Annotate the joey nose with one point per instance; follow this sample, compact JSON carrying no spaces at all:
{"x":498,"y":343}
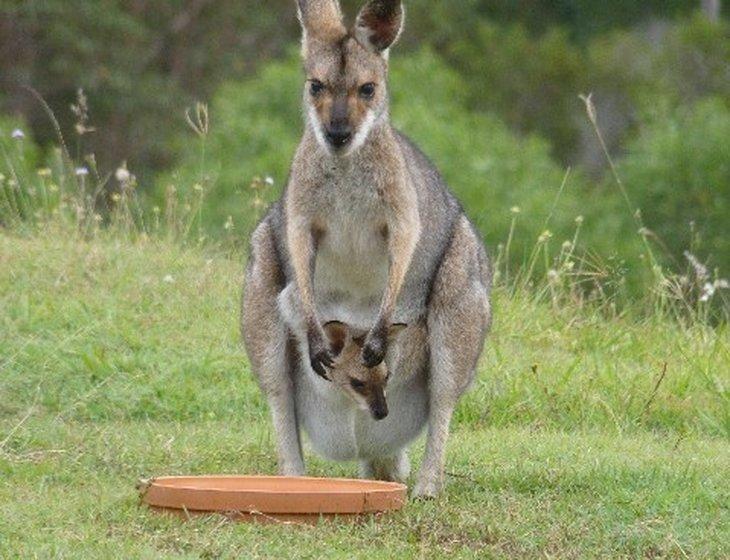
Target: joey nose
{"x":339,"y":136}
{"x":380,"y":414}
{"x":380,"y":411}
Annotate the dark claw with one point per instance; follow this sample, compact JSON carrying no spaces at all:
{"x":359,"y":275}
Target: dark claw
{"x":319,"y":369}
{"x":321,"y":360}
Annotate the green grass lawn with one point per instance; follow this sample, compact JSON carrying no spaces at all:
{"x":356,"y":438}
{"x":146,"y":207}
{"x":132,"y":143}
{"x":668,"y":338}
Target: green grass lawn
{"x":121,"y":360}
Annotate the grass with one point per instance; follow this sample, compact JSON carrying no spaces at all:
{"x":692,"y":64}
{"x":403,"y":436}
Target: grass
{"x":584,"y":435}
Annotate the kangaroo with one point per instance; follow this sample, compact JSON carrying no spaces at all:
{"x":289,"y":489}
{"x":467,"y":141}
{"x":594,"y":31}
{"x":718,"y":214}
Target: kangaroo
{"x":366,"y":232}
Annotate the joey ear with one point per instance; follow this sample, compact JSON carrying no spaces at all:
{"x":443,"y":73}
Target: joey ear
{"x":395,"y":329}
{"x":379,"y":24}
{"x":320,"y":19}
{"x":336,"y":333}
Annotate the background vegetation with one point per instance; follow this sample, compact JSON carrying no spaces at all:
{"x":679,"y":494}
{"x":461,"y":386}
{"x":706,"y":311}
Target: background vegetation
{"x":489,"y":89}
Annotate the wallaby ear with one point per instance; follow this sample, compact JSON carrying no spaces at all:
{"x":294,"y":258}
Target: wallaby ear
{"x":379,"y":24}
{"x":336,"y":333}
{"x":320,"y":19}
{"x":395,"y":329}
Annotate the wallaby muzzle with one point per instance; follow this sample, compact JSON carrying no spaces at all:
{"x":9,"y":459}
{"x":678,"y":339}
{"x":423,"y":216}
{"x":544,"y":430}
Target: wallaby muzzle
{"x":379,"y":407}
{"x":339,"y":131}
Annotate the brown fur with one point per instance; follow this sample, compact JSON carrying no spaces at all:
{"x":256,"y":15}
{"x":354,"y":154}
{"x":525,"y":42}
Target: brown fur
{"x":348,"y":369}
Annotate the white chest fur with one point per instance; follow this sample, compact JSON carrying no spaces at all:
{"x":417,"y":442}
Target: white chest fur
{"x":352,"y":255}
{"x":339,"y":430}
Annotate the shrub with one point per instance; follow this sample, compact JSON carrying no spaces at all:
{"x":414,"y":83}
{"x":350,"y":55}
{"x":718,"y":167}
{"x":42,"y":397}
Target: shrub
{"x":628,"y":71}
{"x":531,"y":82}
{"x":678,"y":171}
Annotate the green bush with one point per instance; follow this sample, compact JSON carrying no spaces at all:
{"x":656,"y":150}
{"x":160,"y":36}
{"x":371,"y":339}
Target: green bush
{"x":628,"y":71}
{"x":255,"y":125}
{"x":678,"y":172}
{"x":531,"y":82}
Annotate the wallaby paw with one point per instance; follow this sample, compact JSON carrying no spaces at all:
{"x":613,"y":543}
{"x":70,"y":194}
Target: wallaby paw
{"x":320,"y":356}
{"x":373,"y":352}
{"x":427,"y":489}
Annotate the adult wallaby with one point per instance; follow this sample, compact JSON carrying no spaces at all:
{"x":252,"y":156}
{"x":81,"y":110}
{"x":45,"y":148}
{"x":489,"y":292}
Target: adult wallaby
{"x":366,"y":233}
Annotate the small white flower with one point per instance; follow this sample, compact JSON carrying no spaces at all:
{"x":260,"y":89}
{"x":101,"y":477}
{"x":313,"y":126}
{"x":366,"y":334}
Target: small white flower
{"x":122,"y":175}
{"x":700,"y":269}
{"x":567,"y":245}
{"x":722,"y":284}
{"x":515,"y":210}
{"x":81,"y":172}
{"x":579,"y":220}
{"x":168,"y":279}
{"x":17,"y":134}
{"x":553,"y":275}
{"x":269,"y":181}
{"x":545,"y":236}
{"x":708,"y":290}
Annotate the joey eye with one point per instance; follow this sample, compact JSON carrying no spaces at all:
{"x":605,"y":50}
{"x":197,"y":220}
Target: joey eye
{"x":316,"y":87}
{"x":357,"y":384}
{"x":367,"y":90}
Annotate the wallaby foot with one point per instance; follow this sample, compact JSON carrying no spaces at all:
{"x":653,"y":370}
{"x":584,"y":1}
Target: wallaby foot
{"x":392,"y":469}
{"x":427,"y":489}
{"x":431,"y":474}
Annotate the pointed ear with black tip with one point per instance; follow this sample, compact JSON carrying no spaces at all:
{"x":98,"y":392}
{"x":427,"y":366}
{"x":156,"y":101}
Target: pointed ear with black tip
{"x":379,"y":24}
{"x":337,"y":334}
{"x":320,"y":19}
{"x":395,"y":329}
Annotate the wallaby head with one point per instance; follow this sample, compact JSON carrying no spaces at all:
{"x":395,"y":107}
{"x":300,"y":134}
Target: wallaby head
{"x":345,"y":94}
{"x":365,"y":386}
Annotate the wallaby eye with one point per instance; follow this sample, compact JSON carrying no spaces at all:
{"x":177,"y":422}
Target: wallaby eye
{"x":367,"y":90}
{"x":316,"y":87}
{"x":357,"y":384}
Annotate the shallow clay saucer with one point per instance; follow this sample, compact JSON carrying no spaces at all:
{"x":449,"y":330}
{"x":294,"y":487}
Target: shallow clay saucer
{"x":273,"y":498}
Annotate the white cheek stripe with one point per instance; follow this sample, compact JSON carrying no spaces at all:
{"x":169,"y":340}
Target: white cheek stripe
{"x":362,"y":133}
{"x":357,"y":142}
{"x":317,"y":128}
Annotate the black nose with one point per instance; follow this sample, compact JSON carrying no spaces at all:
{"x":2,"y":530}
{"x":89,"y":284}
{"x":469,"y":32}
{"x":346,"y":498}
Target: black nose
{"x":338,"y":137}
{"x":380,"y":413}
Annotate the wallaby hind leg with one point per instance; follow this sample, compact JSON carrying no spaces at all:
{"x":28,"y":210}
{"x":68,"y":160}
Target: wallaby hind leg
{"x":266,"y":339}
{"x":458,"y":320}
{"x":394,"y":468}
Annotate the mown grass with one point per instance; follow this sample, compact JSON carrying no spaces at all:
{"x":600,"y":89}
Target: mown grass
{"x":120,"y":359}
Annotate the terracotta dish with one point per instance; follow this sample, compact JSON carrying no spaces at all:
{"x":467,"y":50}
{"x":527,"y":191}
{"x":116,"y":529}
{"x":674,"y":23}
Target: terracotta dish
{"x":273,"y":498}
